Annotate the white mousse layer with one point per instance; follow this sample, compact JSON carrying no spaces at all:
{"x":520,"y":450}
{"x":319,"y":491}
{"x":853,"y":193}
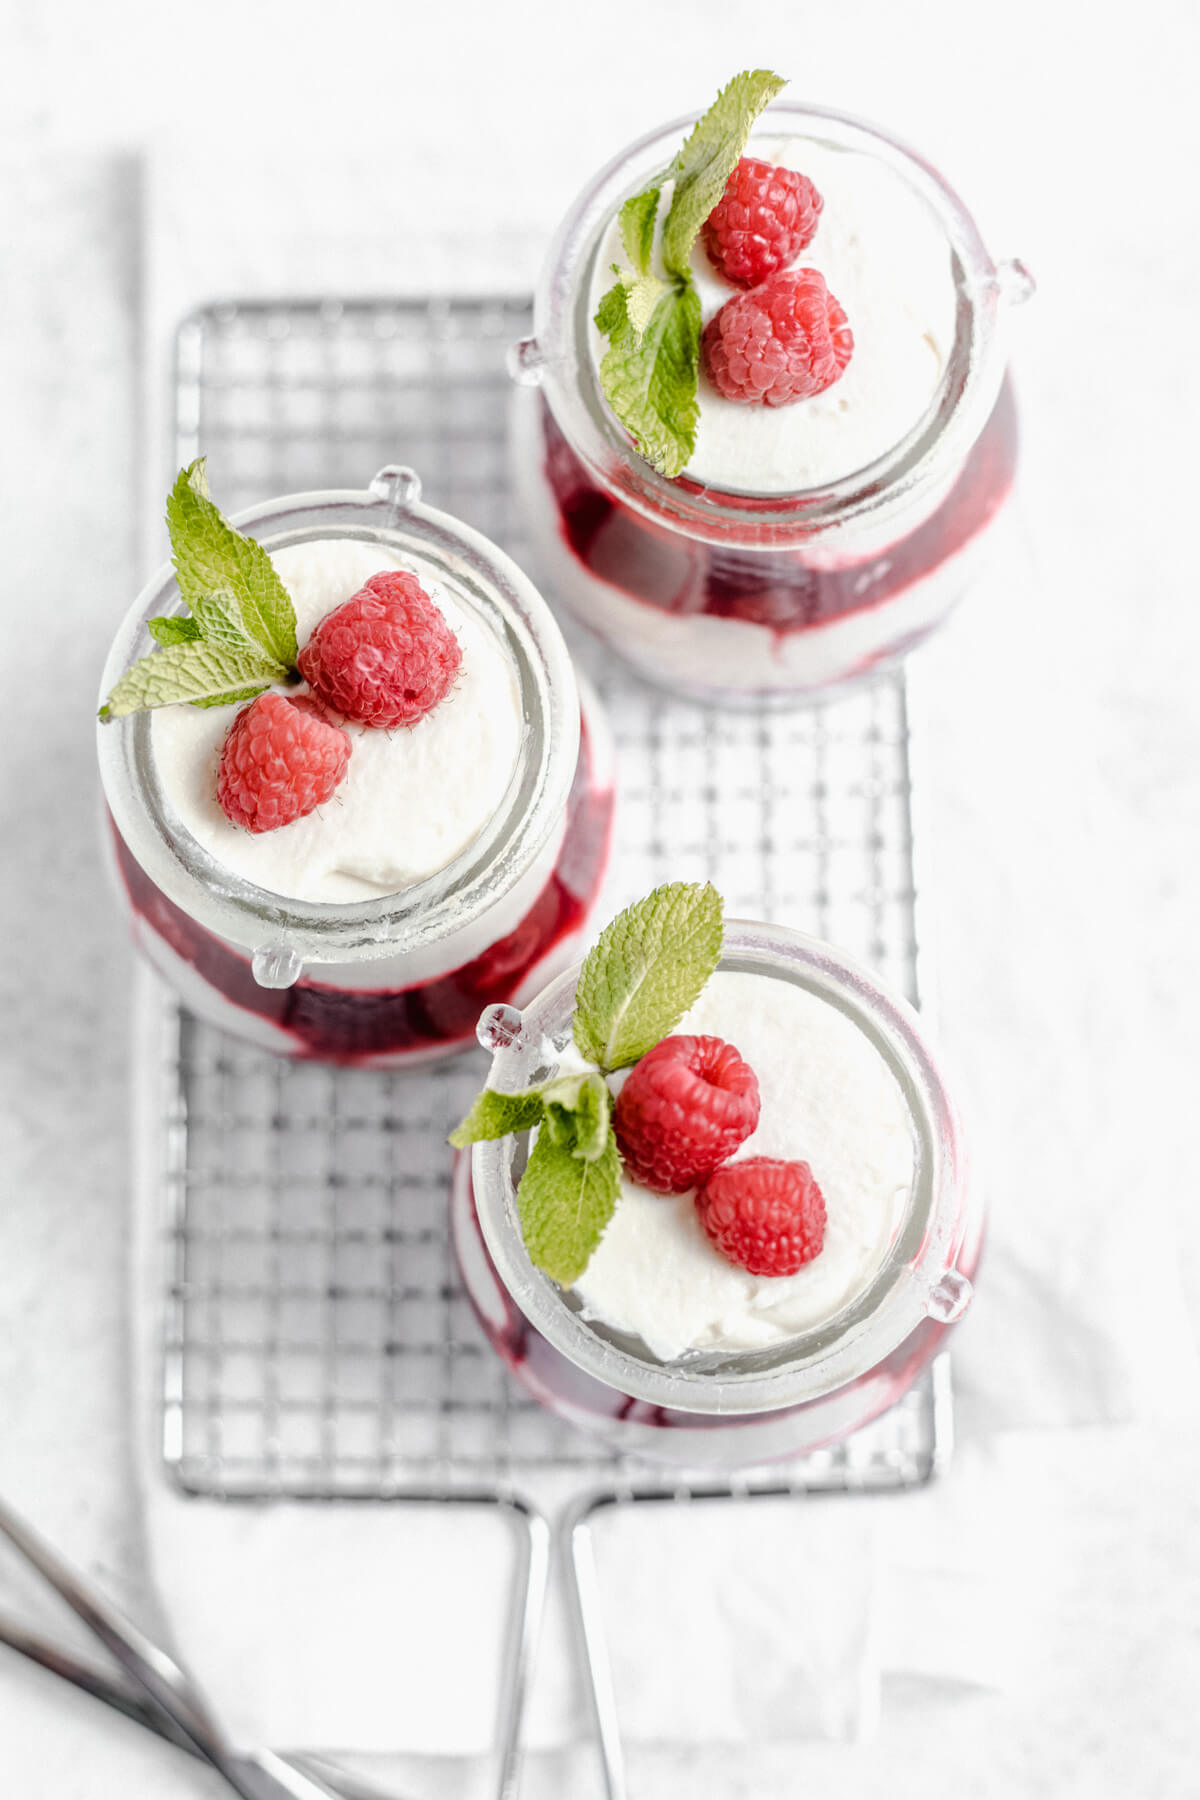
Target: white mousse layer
{"x":885,"y":258}
{"x":828,"y":1099}
{"x":411,"y":799}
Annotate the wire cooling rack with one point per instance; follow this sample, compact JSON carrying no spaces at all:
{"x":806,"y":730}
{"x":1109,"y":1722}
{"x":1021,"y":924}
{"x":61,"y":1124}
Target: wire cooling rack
{"x":316,"y":1341}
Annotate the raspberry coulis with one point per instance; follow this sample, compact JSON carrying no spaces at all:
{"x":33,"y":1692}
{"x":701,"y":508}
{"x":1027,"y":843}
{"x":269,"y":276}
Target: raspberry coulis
{"x":358,"y":1025}
{"x":773,"y":588}
{"x":557,"y":1383}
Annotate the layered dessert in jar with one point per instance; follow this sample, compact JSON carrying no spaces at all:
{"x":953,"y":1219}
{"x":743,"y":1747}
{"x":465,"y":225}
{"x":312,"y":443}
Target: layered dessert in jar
{"x":767,"y":429}
{"x":352,"y":795}
{"x":717,"y":1207}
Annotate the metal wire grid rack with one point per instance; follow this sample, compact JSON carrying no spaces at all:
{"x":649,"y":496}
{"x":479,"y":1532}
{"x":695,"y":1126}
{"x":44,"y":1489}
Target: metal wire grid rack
{"x":316,"y":1342}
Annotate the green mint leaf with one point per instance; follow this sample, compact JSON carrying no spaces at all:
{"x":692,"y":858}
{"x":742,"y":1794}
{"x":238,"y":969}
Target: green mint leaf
{"x":213,"y":560}
{"x":649,"y":373}
{"x":200,"y":671}
{"x":637,"y":228}
{"x":565,"y":1203}
{"x":232,"y":699}
{"x":578,"y":1109}
{"x":650,"y":377}
{"x":219,"y":618}
{"x":612,"y":314}
{"x":648,"y":967}
{"x":175,"y":629}
{"x":708,"y":158}
{"x":642,"y":296}
{"x":494,"y":1115}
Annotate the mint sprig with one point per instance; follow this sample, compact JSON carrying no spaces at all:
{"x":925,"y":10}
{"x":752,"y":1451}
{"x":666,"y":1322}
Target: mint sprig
{"x":574,"y":1108}
{"x":213,"y":562}
{"x":564,"y":1204}
{"x":572,"y":1180}
{"x":650,"y":371}
{"x":648,"y":967}
{"x":636,"y":983}
{"x":709,"y":157}
{"x":240,"y":636}
{"x":495,"y":1115}
{"x":578,"y":1109}
{"x":200,"y":671}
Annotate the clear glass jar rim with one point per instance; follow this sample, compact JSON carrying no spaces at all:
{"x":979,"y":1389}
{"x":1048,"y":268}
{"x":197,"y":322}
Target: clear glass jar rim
{"x":863,"y":1333}
{"x":391,"y":513}
{"x":947,"y":430}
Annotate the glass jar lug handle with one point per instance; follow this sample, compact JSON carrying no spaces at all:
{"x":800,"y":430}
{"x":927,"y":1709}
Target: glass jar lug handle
{"x":950,"y":1299}
{"x":399,"y":486}
{"x":275,"y":966}
{"x":526,"y":364}
{"x":499,"y":1027}
{"x":1014,"y":283}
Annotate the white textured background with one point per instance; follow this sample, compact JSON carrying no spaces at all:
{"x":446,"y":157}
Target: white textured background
{"x":1064,"y":743}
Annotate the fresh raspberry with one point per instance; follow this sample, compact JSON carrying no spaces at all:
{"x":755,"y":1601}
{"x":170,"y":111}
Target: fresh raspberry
{"x":780,"y":342}
{"x":685,"y":1108}
{"x":761,"y":223}
{"x":385,"y":657}
{"x":280,"y":759}
{"x":768,"y":1217}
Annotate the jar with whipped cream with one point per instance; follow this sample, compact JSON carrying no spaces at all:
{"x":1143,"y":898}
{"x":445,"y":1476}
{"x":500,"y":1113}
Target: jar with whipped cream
{"x":455,"y":866}
{"x":667,"y":1350}
{"x":805,"y":546}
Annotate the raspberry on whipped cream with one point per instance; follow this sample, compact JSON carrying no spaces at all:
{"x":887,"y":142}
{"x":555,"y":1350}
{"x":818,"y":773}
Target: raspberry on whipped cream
{"x":885,"y":257}
{"x":683,"y":1110}
{"x":827,"y":1099}
{"x":411,"y":799}
{"x":765,"y":1215}
{"x":281,"y":760}
{"x":764,"y":219}
{"x":385,"y":657}
{"x":785,"y":341}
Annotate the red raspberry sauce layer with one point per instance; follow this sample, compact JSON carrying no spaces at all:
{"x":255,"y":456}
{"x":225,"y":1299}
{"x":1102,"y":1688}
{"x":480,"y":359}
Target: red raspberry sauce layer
{"x":354,"y":1025}
{"x":774,"y":588}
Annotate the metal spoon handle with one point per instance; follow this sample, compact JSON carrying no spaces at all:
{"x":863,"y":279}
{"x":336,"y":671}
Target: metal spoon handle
{"x":168,"y":1689}
{"x":150,"y":1668}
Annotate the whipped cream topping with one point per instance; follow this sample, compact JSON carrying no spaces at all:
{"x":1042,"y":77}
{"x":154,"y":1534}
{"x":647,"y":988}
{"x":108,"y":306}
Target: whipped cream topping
{"x":828,"y":1099}
{"x":885,"y":257}
{"x":411,"y":800}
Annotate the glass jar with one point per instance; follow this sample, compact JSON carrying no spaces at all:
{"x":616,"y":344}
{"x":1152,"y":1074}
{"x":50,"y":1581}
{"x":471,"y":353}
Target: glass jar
{"x":757,"y":598}
{"x":401,"y":977}
{"x":729,"y":1409}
